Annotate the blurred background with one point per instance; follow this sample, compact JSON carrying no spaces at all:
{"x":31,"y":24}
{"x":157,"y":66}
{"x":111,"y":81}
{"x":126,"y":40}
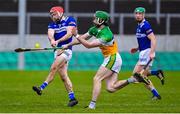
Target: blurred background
{"x":24,"y":23}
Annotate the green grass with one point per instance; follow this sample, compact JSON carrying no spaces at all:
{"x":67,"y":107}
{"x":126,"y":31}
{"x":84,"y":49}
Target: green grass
{"x":16,"y":94}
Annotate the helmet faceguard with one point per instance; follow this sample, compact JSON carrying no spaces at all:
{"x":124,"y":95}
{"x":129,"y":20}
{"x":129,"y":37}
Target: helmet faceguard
{"x":101,"y":17}
{"x":98,"y":21}
{"x":56,"y":13}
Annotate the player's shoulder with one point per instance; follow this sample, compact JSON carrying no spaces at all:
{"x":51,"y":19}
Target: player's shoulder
{"x":146,"y":23}
{"x":52,"y":25}
{"x":107,"y":31}
{"x":93,"y":30}
{"x":70,"y":18}
{"x":106,"y":34}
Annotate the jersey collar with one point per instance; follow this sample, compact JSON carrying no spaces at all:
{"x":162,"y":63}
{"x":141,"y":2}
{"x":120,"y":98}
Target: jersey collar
{"x":141,"y":22}
{"x":63,"y":19}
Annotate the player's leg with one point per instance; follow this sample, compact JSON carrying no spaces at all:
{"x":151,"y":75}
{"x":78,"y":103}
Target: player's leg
{"x":158,"y":73}
{"x":54,"y":67}
{"x":67,"y":54}
{"x":136,"y":74}
{"x":150,"y":87}
{"x":153,"y":90}
{"x":143,"y":60}
{"x":68,"y":84}
{"x":110,"y":65}
{"x":113,"y":84}
{"x":58,"y":61}
{"x":101,"y":74}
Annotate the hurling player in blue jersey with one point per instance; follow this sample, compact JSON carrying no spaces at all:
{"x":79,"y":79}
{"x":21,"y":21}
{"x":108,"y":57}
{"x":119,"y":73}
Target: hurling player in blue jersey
{"x":59,"y":34}
{"x":146,"y":46}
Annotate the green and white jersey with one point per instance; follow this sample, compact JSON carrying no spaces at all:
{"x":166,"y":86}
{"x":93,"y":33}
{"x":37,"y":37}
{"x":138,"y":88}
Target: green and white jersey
{"x":105,"y":36}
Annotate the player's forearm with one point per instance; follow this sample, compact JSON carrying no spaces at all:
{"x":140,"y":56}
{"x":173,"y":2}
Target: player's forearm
{"x":84,"y":42}
{"x":74,"y":42}
{"x":50,"y":38}
{"x":153,"y":42}
{"x":64,"y":38}
{"x":50,"y":35}
{"x":153,"y":45}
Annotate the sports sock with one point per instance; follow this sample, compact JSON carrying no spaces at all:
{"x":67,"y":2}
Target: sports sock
{"x":71,"y":95}
{"x":154,"y":72}
{"x":154,"y":92}
{"x":131,"y":80}
{"x":43,"y":85}
{"x":92,"y":104}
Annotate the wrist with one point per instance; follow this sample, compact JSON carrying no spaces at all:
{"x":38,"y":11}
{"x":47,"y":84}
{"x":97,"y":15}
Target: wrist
{"x":58,"y":40}
{"x":152,"y":51}
{"x":51,"y":40}
{"x":77,"y":35}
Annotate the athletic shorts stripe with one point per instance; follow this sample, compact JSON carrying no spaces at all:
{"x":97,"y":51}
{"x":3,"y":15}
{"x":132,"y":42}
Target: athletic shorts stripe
{"x":111,"y":61}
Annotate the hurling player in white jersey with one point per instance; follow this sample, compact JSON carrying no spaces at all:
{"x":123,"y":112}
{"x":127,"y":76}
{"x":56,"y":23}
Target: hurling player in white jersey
{"x":146,"y":46}
{"x":59,"y":34}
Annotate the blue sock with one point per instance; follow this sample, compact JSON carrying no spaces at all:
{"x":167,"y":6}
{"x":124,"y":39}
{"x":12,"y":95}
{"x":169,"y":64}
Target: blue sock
{"x":43,"y":85}
{"x":154,"y":72}
{"x":71,"y":95}
{"x":155,"y":92}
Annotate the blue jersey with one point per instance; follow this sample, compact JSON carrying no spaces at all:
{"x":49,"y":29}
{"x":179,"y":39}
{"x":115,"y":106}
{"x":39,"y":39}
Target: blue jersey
{"x":60,"y":29}
{"x":142,"y":31}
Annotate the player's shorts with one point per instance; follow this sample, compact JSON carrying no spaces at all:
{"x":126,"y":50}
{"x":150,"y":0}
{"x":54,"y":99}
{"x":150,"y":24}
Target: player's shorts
{"x":113,"y":62}
{"x":144,"y":57}
{"x":67,"y":54}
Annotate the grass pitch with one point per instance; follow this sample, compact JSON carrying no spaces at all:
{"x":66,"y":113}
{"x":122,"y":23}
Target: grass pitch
{"x":16,"y":94}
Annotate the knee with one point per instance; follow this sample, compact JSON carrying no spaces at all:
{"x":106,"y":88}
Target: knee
{"x":53,"y":69}
{"x":96,"y":79}
{"x":110,"y":89}
{"x":63,"y":78}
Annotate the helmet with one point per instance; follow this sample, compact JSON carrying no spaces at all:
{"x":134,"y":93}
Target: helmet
{"x":140,"y":10}
{"x":102,"y":15}
{"x":57,"y":9}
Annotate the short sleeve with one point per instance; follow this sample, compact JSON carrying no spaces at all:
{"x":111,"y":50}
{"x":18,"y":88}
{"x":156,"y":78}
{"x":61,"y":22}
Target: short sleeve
{"x":51,"y":26}
{"x":93,"y":31}
{"x":71,"y":22}
{"x":147,"y":28}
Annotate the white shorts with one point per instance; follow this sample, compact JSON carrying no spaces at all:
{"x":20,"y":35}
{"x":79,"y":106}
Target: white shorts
{"x":113,"y":62}
{"x":67,"y":54}
{"x":144,"y":57}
